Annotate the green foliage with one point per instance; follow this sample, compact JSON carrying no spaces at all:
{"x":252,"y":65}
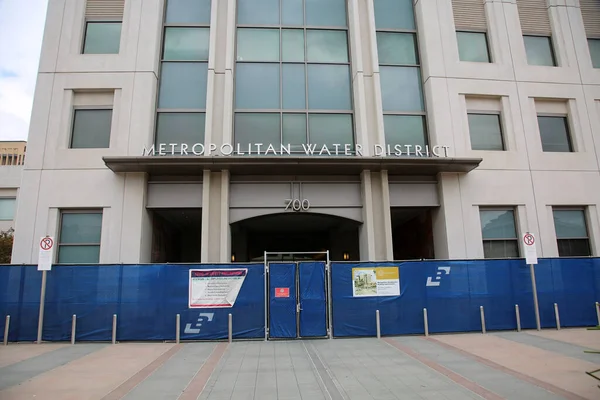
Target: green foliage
{"x":6,"y":244}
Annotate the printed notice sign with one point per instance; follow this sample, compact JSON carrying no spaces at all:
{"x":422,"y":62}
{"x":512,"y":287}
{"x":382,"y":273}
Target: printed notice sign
{"x":378,"y":281}
{"x":282,"y":292}
{"x":215,"y":288}
{"x":530,"y":250}
{"x":46,"y":253}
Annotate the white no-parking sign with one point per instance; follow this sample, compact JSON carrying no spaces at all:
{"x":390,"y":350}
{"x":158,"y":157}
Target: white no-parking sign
{"x":530,"y":250}
{"x":46,"y":253}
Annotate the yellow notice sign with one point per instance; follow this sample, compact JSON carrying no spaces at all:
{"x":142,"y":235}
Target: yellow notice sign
{"x":376,"y":281}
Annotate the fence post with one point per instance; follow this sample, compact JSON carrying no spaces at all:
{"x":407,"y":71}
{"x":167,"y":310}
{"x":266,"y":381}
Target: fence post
{"x":518,"y":318}
{"x":73,"y":328}
{"x":378,"y":324}
{"x":6,"y":329}
{"x":482,"y":319}
{"x":42,"y":304}
{"x":557,"y":316}
{"x":114,"y":329}
{"x":177,"y":328}
{"x":230,"y":336}
{"x":598,"y":312}
{"x":426,"y":322}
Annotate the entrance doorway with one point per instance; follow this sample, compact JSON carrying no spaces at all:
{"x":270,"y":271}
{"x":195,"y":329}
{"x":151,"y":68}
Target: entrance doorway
{"x":176,"y":235}
{"x":293,"y":233}
{"x":412,"y":233}
{"x":297,"y":303}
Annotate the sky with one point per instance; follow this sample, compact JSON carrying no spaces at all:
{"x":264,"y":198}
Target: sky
{"x":21,"y":31}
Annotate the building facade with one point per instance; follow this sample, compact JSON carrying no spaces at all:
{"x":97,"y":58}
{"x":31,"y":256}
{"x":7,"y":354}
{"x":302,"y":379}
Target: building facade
{"x":12,"y":157}
{"x":12,"y":152}
{"x":212,"y":131}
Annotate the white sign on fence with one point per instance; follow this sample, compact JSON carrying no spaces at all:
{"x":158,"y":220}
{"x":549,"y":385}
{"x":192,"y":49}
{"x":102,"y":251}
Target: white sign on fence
{"x":46,"y":254}
{"x":215,"y":288}
{"x":530,"y":250}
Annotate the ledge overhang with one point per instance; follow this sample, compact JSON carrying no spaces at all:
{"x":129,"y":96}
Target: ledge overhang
{"x":281,"y":165}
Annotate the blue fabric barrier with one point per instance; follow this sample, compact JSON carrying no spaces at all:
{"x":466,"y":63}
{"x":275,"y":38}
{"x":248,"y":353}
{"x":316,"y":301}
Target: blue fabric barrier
{"x":313,"y":303}
{"x":147,"y":298}
{"x":282,"y":303}
{"x":453,"y":291}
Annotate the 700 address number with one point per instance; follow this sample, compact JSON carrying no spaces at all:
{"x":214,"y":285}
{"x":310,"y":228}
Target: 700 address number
{"x":297,"y":204}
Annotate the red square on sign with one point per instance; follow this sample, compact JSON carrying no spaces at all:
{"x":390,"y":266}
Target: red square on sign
{"x":282,"y":292}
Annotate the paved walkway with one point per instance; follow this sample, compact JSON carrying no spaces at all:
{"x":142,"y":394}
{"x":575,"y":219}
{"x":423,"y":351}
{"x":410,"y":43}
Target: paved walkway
{"x":500,"y":365}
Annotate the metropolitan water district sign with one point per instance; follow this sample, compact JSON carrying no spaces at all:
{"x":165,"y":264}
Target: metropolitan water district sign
{"x":46,"y":253}
{"x":530,"y":250}
{"x":215,"y":288}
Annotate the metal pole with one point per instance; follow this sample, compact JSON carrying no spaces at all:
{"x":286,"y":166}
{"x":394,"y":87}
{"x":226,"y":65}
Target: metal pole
{"x":535,"y":297}
{"x":426,"y":322}
{"x":557,"y":316}
{"x":329,"y":302}
{"x":378,"y":324}
{"x":6,"y":329}
{"x":598,"y":312}
{"x":267,"y":292}
{"x":482,"y":319}
{"x":42,"y":302}
{"x":114,"y":329}
{"x":177,"y":328}
{"x":518,"y":318}
{"x":230,"y":328}
{"x":73,"y":328}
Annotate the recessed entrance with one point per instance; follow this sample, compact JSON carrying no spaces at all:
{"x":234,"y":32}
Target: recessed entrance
{"x":176,"y":235}
{"x":412,"y":233}
{"x":295,"y":233}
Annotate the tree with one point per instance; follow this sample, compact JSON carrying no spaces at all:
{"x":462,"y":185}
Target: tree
{"x":6,"y":244}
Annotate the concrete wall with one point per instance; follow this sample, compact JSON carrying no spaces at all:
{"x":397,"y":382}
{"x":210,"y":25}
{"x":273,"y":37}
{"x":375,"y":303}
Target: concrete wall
{"x":523,"y":176}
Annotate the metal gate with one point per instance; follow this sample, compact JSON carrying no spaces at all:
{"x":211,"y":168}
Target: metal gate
{"x":298,"y":300}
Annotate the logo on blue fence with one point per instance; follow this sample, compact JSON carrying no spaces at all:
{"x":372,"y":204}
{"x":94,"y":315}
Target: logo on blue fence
{"x":437,"y":279}
{"x":188,"y":327}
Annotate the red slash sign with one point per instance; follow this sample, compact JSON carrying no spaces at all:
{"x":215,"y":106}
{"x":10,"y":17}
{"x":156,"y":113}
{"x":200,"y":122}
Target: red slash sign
{"x":528,"y":239}
{"x":46,"y":243}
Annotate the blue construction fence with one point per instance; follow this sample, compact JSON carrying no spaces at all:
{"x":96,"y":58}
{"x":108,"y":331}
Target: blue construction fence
{"x":147,"y":298}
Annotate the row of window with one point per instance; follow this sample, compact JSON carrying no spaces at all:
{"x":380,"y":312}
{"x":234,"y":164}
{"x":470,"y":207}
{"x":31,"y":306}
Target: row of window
{"x":80,"y":232}
{"x":485,"y":131}
{"x":474,"y":47}
{"x":103,"y":37}
{"x":500,"y":238}
{"x":91,"y":129}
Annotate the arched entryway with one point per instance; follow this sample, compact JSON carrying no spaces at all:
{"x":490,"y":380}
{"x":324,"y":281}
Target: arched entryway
{"x":295,"y":233}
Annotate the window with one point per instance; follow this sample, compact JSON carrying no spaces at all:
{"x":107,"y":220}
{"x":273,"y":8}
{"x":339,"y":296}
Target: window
{"x":537,"y":32}
{"x":79,"y":240}
{"x":184,"y":74}
{"x":539,"y":50}
{"x":554,"y":133}
{"x":292,"y":77}
{"x":499,"y":233}
{"x":485,"y":132}
{"x":590,"y":13}
{"x":571,"y":232}
{"x":102,"y":37}
{"x":470,"y":22}
{"x":594,"y":46}
{"x":472,"y":46}
{"x":91,"y":128}
{"x":7,"y":209}
{"x":400,"y":76}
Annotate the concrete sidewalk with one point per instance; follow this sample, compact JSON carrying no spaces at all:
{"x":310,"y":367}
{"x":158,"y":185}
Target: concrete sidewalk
{"x":505,"y":365}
